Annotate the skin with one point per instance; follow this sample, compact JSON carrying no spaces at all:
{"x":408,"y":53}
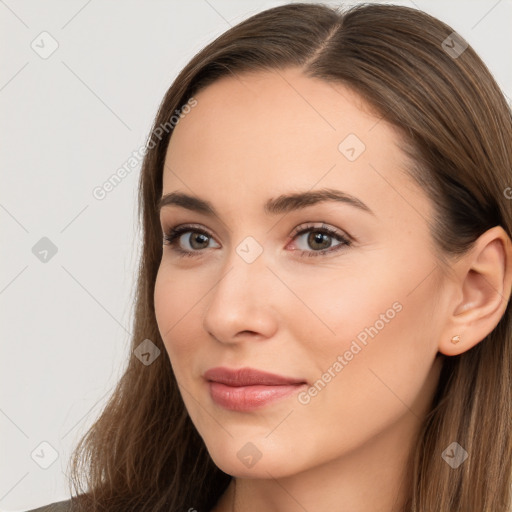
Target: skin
{"x":255,"y":137}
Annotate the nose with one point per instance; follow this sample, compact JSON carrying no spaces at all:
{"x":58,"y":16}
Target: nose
{"x":240,"y":305}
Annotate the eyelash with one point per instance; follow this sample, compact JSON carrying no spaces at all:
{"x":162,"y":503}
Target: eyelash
{"x":172,"y":236}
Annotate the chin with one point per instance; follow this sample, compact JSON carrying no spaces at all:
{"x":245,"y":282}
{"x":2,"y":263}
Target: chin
{"x":260,"y":458}
{"x":262,"y":469}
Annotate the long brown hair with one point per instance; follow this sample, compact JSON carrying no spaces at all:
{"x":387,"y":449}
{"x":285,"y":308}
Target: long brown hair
{"x":144,"y":453}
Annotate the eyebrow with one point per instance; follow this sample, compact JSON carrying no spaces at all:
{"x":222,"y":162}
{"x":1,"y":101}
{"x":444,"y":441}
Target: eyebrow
{"x":282,"y":204}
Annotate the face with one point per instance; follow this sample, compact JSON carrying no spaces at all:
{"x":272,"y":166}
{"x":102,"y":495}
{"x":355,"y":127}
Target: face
{"x":343,"y":297}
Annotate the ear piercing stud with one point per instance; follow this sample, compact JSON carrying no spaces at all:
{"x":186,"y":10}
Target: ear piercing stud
{"x":455,"y":339}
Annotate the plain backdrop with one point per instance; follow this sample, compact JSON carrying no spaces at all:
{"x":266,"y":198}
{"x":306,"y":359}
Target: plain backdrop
{"x":80,"y":82}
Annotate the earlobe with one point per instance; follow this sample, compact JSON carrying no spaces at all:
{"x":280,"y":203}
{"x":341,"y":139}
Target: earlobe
{"x":484,"y":288}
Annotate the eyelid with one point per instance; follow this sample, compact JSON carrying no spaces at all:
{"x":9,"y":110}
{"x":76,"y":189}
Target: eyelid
{"x":175,"y":232}
{"x":307,"y":226}
{"x":343,"y":237}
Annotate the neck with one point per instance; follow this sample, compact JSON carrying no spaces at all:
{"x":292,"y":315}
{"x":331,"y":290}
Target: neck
{"x":374,"y":477}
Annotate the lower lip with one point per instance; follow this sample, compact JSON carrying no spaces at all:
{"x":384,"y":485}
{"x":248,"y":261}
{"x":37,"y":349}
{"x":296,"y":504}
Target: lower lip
{"x":248,"y":398}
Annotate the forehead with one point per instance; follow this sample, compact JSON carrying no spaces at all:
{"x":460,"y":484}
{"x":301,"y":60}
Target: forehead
{"x":277,"y":110}
{"x":268,"y":132}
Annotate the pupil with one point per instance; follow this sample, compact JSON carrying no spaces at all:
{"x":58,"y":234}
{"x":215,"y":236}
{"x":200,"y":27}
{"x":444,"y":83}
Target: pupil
{"x":198,"y":236}
{"x":318,"y":238}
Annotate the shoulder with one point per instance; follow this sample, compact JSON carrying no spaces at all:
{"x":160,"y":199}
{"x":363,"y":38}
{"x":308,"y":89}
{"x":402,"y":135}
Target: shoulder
{"x":59,"y":506}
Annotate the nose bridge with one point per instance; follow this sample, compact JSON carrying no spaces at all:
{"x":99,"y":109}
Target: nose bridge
{"x":240,"y":299}
{"x":245,"y":265}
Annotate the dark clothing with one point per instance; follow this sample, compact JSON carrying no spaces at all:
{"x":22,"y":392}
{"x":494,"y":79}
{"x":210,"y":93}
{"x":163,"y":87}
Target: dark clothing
{"x":60,"y":506}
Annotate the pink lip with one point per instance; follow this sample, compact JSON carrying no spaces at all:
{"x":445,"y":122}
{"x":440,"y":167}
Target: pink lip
{"x":246,"y":389}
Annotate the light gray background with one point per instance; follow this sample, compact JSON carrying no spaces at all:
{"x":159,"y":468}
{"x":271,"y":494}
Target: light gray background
{"x":68,"y":122}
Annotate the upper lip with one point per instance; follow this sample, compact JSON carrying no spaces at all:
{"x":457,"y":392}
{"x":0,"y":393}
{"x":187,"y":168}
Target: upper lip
{"x":248,"y":377}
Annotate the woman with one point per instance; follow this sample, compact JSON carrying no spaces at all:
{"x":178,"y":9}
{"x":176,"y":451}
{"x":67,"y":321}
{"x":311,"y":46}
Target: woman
{"x":369,"y":372}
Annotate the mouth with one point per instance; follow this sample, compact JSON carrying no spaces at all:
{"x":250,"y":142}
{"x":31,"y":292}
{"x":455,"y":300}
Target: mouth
{"x":247,"y":389}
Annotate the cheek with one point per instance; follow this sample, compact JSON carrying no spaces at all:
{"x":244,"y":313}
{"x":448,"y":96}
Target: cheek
{"x":340,"y":308}
{"x":387,"y":305}
{"x":372,"y":345}
{"x":175,"y":306}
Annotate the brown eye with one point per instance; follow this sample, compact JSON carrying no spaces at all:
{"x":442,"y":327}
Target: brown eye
{"x":197,"y":240}
{"x":319,"y":240}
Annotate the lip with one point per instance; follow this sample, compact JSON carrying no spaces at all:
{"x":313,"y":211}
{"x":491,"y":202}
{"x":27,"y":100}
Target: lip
{"x":248,"y":377}
{"x":246,"y":389}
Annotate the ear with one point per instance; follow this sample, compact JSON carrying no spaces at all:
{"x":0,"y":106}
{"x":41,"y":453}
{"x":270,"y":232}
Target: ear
{"x":483,"y":289}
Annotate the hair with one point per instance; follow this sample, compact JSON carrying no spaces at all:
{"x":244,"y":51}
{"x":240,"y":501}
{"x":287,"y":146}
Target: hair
{"x":143,"y":452}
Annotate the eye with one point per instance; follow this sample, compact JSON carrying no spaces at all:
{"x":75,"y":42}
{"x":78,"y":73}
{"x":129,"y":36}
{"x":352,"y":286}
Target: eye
{"x":319,"y":238}
{"x":197,"y":239}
